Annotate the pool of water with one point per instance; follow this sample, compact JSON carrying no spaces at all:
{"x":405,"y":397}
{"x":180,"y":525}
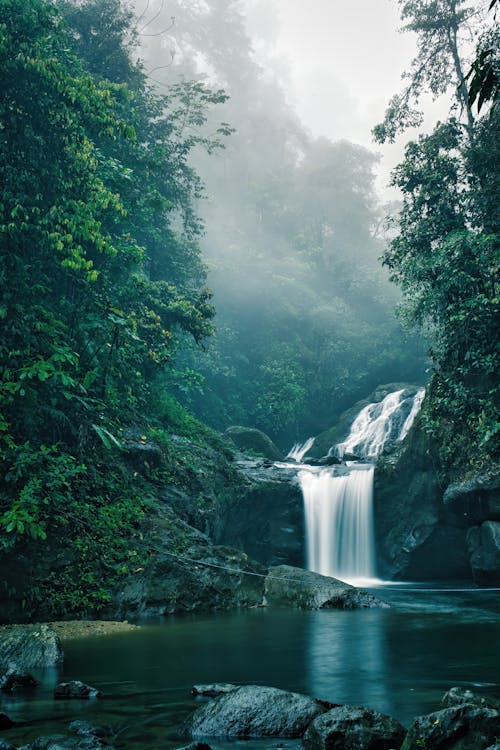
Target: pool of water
{"x":399,"y":661}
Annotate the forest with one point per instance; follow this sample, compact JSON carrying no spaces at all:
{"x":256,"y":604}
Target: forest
{"x":182,"y":258}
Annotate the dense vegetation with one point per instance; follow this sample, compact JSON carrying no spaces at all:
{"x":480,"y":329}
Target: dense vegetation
{"x":108,"y":328}
{"x":101,"y":282}
{"x":446,"y":254}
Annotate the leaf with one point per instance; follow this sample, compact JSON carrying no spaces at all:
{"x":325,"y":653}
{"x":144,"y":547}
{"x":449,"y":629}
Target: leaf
{"x":108,"y":439}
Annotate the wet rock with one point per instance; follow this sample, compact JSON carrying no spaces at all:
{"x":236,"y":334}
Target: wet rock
{"x":5,"y":745}
{"x":476,"y":499}
{"x":199,"y":576}
{"x":353,"y":728}
{"x":483,"y":543}
{"x":462,"y":727}
{"x":13,"y":681}
{"x":195,"y":746}
{"x":250,"y":439}
{"x":215,"y":689}
{"x":5,"y":722}
{"x":27,"y":647}
{"x":254,"y":711}
{"x":457,"y":696}
{"x":63,"y":742}
{"x":76,"y":689}
{"x":86,"y":729}
{"x":286,"y":586}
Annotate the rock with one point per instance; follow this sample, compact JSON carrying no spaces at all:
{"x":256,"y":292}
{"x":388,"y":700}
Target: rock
{"x":86,"y":729}
{"x":483,"y":543}
{"x":476,"y":499}
{"x":63,"y":742}
{"x":250,"y":439}
{"x":5,"y":745}
{"x":461,"y":727}
{"x":265,"y":518}
{"x":254,"y":711}
{"x":12,"y":681}
{"x":76,"y":689}
{"x":27,"y":647}
{"x":286,"y":586}
{"x":457,"y":696}
{"x":353,"y":728}
{"x":5,"y":722}
{"x":324,"y":461}
{"x":211,"y":691}
{"x":195,"y":746}
{"x":142,"y":454}
{"x":199,"y":576}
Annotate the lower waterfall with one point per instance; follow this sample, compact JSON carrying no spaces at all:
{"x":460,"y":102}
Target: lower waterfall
{"x":339,"y":523}
{"x":338,"y":501}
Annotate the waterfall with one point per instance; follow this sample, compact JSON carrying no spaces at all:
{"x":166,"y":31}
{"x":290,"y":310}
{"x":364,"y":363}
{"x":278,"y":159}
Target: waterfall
{"x":300,"y":450}
{"x":338,"y":507}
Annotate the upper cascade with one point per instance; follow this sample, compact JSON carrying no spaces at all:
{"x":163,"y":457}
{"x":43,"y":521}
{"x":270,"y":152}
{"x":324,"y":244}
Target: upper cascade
{"x":381,"y":424}
{"x":299,"y":450}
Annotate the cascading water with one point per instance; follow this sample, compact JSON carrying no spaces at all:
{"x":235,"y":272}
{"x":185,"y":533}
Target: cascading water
{"x":338,"y":508}
{"x":300,"y":450}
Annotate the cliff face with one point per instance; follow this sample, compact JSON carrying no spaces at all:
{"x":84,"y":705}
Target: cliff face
{"x":427,"y":530}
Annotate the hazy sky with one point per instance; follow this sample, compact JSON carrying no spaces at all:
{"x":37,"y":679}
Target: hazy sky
{"x":342,"y":62}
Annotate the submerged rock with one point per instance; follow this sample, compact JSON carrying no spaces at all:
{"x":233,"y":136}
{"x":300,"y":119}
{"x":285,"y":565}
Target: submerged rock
{"x":63,"y":742}
{"x":254,"y":711}
{"x":286,"y":586}
{"x":460,"y":727}
{"x":215,"y":689}
{"x":27,"y":647}
{"x":13,"y":681}
{"x":76,"y":689}
{"x":353,"y":728}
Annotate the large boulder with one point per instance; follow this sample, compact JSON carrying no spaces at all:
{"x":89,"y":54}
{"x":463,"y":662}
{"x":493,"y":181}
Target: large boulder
{"x":254,"y":711}
{"x":287,"y":586}
{"x":187,"y":573}
{"x":27,"y":647}
{"x":483,"y":543}
{"x":353,"y":728}
{"x":265,"y":517}
{"x":462,"y":727}
{"x":476,"y":499}
{"x":250,"y":439}
{"x":418,"y":537}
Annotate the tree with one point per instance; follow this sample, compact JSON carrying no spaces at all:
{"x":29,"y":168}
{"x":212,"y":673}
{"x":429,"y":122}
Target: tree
{"x":440,"y":26}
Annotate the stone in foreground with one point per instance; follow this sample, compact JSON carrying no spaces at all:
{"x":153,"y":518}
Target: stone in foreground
{"x":254,"y":711}
{"x":76,"y":689}
{"x":462,"y":727}
{"x":286,"y":586}
{"x":353,"y":728}
{"x":27,"y":647}
{"x":214,"y":689}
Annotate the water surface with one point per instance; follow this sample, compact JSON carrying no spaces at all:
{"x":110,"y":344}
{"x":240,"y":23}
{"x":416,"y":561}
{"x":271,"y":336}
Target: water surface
{"x":399,"y":661}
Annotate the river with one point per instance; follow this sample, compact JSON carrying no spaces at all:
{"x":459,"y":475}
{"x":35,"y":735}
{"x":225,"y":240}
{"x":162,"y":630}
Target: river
{"x":399,"y":661}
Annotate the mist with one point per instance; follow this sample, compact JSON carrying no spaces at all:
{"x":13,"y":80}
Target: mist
{"x":294,"y":220}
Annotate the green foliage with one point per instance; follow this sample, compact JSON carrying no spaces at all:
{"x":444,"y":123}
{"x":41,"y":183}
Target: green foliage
{"x":101,"y":277}
{"x":446,"y":259}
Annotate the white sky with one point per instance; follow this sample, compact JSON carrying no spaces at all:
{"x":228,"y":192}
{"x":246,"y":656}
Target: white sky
{"x":342,"y":61}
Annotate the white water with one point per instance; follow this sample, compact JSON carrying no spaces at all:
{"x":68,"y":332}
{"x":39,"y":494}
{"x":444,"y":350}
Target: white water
{"x":340,"y":540}
{"x":300,"y":450}
{"x":339,"y":523}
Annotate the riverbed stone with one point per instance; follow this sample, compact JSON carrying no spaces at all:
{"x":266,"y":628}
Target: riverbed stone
{"x":353,"y":728}
{"x":75,"y":689}
{"x":287,"y":586}
{"x":6,"y":745}
{"x":458,"y":696}
{"x":65,"y":742}
{"x":13,"y":681}
{"x":462,"y":727}
{"x":27,"y":647}
{"x":214,"y":689}
{"x":254,"y":711}
{"x":195,"y":746}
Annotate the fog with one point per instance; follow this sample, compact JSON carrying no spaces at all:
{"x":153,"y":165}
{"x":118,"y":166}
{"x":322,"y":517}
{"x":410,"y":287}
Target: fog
{"x":293,"y":208}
